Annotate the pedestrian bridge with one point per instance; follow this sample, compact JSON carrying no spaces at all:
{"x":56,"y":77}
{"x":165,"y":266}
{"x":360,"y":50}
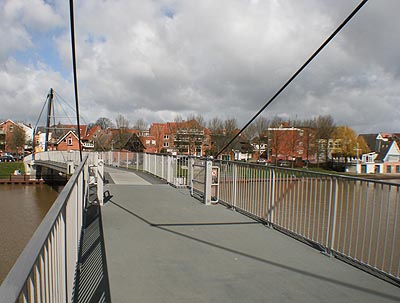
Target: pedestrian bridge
{"x":153,"y":242}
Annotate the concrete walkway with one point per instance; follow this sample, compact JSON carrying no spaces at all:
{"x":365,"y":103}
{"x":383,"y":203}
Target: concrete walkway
{"x":164,"y":246}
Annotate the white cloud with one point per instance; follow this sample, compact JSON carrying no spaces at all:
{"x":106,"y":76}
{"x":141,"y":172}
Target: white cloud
{"x":154,"y":59}
{"x":32,"y":14}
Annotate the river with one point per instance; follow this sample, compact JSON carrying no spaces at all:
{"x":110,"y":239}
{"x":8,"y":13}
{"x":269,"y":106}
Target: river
{"x":22,"y":208}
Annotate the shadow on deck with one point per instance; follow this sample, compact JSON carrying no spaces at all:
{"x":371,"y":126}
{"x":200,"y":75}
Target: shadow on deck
{"x":91,"y":279}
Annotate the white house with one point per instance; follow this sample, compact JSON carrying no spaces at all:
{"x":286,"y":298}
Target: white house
{"x":386,"y":160}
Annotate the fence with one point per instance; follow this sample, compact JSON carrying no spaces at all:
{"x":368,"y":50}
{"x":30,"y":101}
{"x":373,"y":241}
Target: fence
{"x":176,"y":170}
{"x":63,"y":157}
{"x":45,"y":270}
{"x":352,"y":218}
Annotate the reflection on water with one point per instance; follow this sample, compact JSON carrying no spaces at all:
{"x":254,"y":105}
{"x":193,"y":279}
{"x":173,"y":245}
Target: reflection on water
{"x":22,"y":208}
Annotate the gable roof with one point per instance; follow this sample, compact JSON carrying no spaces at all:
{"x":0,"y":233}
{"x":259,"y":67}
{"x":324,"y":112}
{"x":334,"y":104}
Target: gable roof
{"x":65,"y":135}
{"x":92,"y":132}
{"x":371,"y":140}
{"x":387,"y":149}
{"x":134,"y":144}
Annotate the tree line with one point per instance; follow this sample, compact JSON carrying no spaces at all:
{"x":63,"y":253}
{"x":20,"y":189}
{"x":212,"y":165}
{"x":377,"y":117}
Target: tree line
{"x":323,"y":129}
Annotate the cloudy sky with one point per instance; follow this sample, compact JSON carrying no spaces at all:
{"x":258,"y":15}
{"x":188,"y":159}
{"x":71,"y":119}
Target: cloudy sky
{"x":226,"y":58}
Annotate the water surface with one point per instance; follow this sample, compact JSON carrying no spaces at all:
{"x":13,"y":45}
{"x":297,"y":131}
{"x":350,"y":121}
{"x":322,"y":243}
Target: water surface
{"x":22,"y":208}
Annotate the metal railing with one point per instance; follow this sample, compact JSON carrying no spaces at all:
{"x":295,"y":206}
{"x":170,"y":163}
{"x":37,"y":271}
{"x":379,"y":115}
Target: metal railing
{"x":45,"y":270}
{"x":353,"y":218}
{"x":63,"y":156}
{"x":176,"y":170}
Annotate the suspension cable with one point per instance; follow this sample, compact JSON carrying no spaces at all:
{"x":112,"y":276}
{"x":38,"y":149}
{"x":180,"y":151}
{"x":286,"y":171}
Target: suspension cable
{"x":71,"y":10}
{"x":353,"y":13}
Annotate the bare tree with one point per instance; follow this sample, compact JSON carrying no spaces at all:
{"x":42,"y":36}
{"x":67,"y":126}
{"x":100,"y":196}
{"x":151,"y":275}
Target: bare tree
{"x":215,"y":125}
{"x":141,"y":125}
{"x":276,"y":122}
{"x":250,"y":132}
{"x":122,"y":122}
{"x":178,"y":118}
{"x":199,"y":118}
{"x":230,"y":125}
{"x":122,"y":134}
{"x":157,"y":132}
{"x":104,"y":123}
{"x":324,"y":127}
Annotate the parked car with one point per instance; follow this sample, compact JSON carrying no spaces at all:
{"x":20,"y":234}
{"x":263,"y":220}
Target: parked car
{"x":7,"y":158}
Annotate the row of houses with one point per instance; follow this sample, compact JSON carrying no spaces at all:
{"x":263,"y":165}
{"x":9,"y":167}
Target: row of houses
{"x":283,"y":143}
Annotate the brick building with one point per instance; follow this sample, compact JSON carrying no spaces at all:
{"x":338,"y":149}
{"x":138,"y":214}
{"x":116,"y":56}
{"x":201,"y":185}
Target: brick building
{"x":291,"y":143}
{"x":184,"y":138}
{"x":7,"y":129}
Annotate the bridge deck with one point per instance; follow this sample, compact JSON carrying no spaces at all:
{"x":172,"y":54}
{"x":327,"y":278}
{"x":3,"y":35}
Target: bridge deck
{"x":164,"y":246}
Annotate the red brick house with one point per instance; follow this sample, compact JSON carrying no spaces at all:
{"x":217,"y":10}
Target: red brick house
{"x":68,"y":142}
{"x":65,"y":138}
{"x":7,"y":129}
{"x":291,"y":143}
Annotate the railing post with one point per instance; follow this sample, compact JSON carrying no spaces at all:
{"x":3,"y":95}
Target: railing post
{"x":191,"y":173}
{"x":207,"y":182}
{"x":145,"y":162}
{"x":272,"y":200}
{"x":169,"y":169}
{"x":162,"y":167}
{"x":332,"y":215}
{"x":99,"y":181}
{"x":234,"y":185}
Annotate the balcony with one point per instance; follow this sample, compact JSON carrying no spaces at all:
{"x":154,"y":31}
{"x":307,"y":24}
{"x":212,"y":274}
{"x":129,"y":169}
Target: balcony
{"x":87,"y":145}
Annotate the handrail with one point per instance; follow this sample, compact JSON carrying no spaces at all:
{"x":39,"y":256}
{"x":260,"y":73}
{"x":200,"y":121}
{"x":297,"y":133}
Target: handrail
{"x":26,"y":277}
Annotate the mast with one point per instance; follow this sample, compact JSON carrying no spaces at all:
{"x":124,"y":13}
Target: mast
{"x":50,"y":97}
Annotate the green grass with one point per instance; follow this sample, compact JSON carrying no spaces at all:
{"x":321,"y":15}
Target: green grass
{"x":8,"y":168}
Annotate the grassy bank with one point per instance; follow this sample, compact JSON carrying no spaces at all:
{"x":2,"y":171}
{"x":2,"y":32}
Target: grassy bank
{"x":8,"y":168}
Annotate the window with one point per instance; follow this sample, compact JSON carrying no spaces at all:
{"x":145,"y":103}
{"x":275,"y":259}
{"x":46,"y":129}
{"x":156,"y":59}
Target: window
{"x":397,"y":168}
{"x":166,"y":144}
{"x":69,"y":141}
{"x":166,"y":137}
{"x":11,"y":128}
{"x":226,"y":157}
{"x":153,"y":142}
{"x":389,"y":169}
{"x":147,"y":141}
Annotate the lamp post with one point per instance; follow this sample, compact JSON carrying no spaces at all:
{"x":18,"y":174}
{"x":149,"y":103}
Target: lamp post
{"x":358,"y":160}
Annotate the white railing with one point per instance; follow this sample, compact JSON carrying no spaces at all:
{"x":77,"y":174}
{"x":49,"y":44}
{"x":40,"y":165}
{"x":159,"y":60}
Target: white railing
{"x":45,"y":270}
{"x":352,"y":218}
{"x":176,"y":170}
{"x":63,"y":157}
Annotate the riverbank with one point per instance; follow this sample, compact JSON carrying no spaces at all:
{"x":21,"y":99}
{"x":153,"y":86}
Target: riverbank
{"x":20,"y":179}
